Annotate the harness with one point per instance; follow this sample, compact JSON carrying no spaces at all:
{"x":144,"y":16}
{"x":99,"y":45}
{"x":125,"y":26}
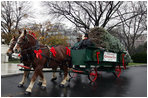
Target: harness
{"x":31,"y":55}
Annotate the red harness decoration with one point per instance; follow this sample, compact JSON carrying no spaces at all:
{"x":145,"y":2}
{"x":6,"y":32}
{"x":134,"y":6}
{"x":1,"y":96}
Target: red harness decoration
{"x":29,"y":32}
{"x":68,"y":51}
{"x":77,"y":71}
{"x":24,"y":66}
{"x":98,"y":56}
{"x":123,"y":61}
{"x":19,"y":55}
{"x":38,"y":53}
{"x":53,"y":51}
{"x":33,"y":34}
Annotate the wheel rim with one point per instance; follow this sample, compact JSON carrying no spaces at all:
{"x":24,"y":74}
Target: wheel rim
{"x":118,"y":71}
{"x":93,"y":75}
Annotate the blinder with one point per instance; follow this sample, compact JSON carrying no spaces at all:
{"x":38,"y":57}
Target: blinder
{"x":25,"y":41}
{"x":12,"y":44}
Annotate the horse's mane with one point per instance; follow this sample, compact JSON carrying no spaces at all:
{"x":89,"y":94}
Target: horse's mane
{"x":31,"y":36}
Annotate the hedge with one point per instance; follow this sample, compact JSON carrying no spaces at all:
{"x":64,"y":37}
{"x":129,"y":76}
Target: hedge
{"x":140,"y":57}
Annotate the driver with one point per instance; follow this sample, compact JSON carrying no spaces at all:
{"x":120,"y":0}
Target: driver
{"x":85,"y":42}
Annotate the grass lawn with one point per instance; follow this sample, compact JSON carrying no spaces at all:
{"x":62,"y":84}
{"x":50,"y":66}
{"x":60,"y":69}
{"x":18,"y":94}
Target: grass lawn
{"x":134,"y":64}
{"x":13,"y":61}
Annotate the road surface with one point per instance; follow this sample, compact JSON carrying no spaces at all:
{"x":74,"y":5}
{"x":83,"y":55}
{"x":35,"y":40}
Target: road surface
{"x":132,"y":83}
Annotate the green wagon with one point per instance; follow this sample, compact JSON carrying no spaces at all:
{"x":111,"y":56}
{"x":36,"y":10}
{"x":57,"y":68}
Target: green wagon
{"x":93,"y":60}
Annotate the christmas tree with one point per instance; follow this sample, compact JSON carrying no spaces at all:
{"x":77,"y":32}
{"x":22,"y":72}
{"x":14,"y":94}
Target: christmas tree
{"x":103,"y":39}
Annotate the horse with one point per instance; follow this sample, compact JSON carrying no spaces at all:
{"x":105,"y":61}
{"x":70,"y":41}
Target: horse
{"x":27,"y":44}
{"x":11,"y":46}
{"x":25,"y":62}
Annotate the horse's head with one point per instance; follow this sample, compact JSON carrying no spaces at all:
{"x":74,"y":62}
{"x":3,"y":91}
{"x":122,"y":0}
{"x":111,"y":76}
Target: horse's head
{"x":24,"y":41}
{"x":11,"y":46}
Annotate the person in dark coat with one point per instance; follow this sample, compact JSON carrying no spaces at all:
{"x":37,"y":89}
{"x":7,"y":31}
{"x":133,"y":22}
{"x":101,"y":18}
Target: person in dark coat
{"x":85,"y":42}
{"x":75,"y":46}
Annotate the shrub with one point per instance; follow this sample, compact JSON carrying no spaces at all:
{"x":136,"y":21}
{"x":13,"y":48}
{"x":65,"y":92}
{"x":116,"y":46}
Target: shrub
{"x":8,"y":36}
{"x":58,"y":40}
{"x":140,"y":57}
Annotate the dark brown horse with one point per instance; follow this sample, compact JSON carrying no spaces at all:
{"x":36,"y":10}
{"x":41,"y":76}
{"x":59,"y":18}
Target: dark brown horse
{"x":27,"y":44}
{"x":27,"y":62}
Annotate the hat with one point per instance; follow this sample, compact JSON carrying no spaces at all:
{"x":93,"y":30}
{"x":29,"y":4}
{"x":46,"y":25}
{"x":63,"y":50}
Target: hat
{"x":86,"y":35}
{"x":79,"y":36}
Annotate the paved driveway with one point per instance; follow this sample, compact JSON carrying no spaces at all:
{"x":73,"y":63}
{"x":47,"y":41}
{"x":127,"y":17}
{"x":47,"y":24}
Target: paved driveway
{"x":132,"y":83}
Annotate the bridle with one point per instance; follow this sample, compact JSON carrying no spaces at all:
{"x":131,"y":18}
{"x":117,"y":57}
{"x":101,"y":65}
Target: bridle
{"x":12,"y":44}
{"x":25,"y":41}
{"x":36,"y":47}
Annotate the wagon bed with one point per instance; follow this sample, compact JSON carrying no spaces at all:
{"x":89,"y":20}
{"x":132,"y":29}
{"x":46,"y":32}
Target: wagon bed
{"x":97,"y":59}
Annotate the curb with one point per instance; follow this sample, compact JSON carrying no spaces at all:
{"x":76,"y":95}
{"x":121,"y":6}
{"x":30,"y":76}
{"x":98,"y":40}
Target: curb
{"x":137,"y":65}
{"x":16,"y":74}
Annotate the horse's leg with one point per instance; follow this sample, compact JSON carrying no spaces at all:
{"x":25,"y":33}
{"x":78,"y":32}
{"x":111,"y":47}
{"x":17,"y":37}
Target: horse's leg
{"x":34,"y":77}
{"x":40,"y":80}
{"x":54,"y":77}
{"x":43,"y":80}
{"x":66,"y":77}
{"x":23,"y":79}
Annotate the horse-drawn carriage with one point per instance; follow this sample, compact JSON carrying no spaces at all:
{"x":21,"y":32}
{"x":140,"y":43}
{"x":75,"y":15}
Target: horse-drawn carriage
{"x":94,"y":59}
{"x":37,"y":56}
{"x":91,"y":60}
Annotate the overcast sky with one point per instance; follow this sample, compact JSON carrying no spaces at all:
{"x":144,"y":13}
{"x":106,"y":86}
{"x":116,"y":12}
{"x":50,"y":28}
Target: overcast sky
{"x":40,"y":16}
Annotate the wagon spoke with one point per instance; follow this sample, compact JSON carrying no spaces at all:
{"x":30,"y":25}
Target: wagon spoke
{"x":117,"y":71}
{"x":93,"y":75}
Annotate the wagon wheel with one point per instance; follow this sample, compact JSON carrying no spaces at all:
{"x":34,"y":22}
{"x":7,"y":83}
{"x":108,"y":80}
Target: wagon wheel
{"x":93,"y":75}
{"x":117,"y":72}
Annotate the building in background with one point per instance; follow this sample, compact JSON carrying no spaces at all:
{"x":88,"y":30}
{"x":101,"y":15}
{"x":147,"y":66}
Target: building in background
{"x":70,"y":33}
{"x":141,"y":40}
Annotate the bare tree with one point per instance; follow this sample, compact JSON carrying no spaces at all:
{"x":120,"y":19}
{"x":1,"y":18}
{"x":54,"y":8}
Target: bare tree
{"x":133,"y":28}
{"x":12,"y":14}
{"x":21,"y":10}
{"x":6,"y":15}
{"x":84,"y":14}
{"x":127,"y":11}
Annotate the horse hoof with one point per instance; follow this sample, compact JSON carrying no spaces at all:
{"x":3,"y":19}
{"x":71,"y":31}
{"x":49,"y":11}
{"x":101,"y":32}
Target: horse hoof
{"x":53,"y":79}
{"x":43,"y":87}
{"x":40,"y":83}
{"x":20,"y":85}
{"x":62,"y":85}
{"x":68,"y":80}
{"x":27,"y":93}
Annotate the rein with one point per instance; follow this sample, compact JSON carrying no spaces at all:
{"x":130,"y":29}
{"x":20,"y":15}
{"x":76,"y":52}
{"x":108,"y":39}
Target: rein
{"x":37,"y":47}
